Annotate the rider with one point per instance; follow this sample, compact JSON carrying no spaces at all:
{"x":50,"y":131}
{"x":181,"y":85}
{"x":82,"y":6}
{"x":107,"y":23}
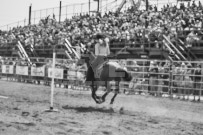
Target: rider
{"x":101,"y":50}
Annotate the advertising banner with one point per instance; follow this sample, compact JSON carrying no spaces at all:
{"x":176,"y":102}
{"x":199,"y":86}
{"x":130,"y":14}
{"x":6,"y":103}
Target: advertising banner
{"x":7,"y":69}
{"x":58,"y":73}
{"x":72,"y":75}
{"x":37,"y":71}
{"x":22,"y":70}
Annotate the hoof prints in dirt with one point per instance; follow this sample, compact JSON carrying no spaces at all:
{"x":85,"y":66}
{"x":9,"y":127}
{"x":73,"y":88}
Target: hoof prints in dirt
{"x":25,"y":113}
{"x":106,"y":133}
{"x":26,"y":124}
{"x":153,"y":121}
{"x":89,"y":109}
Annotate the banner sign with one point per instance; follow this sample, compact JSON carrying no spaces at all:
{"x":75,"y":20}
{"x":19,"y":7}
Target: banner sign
{"x":72,"y":74}
{"x":58,"y":73}
{"x":38,"y":71}
{"x":7,"y":69}
{"x":22,"y":70}
{"x":80,"y":75}
{"x":183,"y":0}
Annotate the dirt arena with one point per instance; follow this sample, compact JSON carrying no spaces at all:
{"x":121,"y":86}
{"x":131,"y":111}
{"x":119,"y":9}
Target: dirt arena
{"x":22,"y":113}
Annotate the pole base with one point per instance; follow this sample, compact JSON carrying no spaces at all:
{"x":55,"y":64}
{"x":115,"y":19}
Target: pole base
{"x":51,"y":109}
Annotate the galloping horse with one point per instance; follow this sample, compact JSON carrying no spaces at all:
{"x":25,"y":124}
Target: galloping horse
{"x":102,"y":75}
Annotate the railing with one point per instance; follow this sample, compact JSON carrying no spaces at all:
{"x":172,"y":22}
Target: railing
{"x":159,"y":78}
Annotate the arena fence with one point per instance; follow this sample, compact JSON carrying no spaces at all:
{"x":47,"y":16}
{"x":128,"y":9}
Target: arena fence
{"x":159,"y":78}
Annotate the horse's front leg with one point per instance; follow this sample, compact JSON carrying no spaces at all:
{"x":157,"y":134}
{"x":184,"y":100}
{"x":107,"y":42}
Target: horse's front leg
{"x":94,"y":96}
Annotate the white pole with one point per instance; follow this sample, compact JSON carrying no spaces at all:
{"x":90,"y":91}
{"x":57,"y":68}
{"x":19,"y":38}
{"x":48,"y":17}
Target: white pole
{"x":52,"y":81}
{"x":51,"y":109}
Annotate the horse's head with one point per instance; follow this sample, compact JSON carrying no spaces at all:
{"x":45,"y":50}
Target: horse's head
{"x":87,"y":57}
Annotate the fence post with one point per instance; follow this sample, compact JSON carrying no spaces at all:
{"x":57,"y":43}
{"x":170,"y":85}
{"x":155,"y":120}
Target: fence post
{"x":74,"y":9}
{"x":60,"y":12}
{"x":200,"y":90}
{"x":46,"y":12}
{"x":30,"y":14}
{"x":66,"y":11}
{"x":170,"y":79}
{"x":89,"y":6}
{"x":81,"y":8}
{"x":40,"y":14}
{"x":24,"y":22}
{"x":34,"y":16}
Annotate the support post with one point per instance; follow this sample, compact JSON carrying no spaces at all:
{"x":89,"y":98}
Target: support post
{"x":147,"y":5}
{"x":30,"y":13}
{"x":89,"y":7}
{"x":170,"y":86}
{"x":98,"y":6}
{"x":60,"y":12}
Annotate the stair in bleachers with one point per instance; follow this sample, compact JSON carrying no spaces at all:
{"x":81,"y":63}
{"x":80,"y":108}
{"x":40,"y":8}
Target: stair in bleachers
{"x":71,"y":51}
{"x":22,"y":53}
{"x":176,"y":52}
{"x":190,"y":55}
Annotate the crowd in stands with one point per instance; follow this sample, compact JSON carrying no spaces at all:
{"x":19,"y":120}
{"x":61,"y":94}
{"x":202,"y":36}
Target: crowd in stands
{"x":137,"y":28}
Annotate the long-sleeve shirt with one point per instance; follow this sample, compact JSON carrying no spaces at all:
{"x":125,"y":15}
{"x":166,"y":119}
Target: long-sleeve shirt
{"x":102,"y":50}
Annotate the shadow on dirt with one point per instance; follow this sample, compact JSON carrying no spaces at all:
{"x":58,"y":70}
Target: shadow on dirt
{"x":89,"y":109}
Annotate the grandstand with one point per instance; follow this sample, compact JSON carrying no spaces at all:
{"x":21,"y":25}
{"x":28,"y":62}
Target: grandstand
{"x":173,"y":32}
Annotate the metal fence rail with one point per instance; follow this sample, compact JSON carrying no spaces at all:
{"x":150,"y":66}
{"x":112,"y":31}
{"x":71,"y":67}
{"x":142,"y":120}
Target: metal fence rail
{"x":159,"y":78}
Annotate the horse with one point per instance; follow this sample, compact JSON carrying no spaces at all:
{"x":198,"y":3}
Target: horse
{"x":109,"y":71}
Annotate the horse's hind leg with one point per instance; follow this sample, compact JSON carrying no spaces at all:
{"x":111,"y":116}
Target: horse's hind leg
{"x":104,"y":96}
{"x":112,"y":100}
{"x":94,"y":97}
{"x":108,"y":88}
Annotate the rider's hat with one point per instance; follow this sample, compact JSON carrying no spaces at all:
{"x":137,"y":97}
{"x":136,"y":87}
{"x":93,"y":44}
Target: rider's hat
{"x":99,"y":36}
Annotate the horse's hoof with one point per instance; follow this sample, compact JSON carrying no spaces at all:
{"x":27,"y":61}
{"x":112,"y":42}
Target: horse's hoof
{"x":198,"y":100}
{"x":103,"y":100}
{"x":193,"y":100}
{"x":121,"y":110}
{"x":97,"y":97}
{"x":97,"y":102}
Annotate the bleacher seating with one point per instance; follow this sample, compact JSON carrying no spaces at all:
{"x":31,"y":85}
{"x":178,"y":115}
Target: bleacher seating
{"x":141,"y":30}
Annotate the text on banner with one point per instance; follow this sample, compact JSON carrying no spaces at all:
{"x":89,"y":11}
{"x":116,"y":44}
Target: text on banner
{"x":37,"y":71}
{"x":7,"y":69}
{"x":58,"y":73}
{"x":22,"y":70}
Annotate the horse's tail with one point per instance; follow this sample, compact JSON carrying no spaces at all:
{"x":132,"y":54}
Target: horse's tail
{"x":126,"y":76}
